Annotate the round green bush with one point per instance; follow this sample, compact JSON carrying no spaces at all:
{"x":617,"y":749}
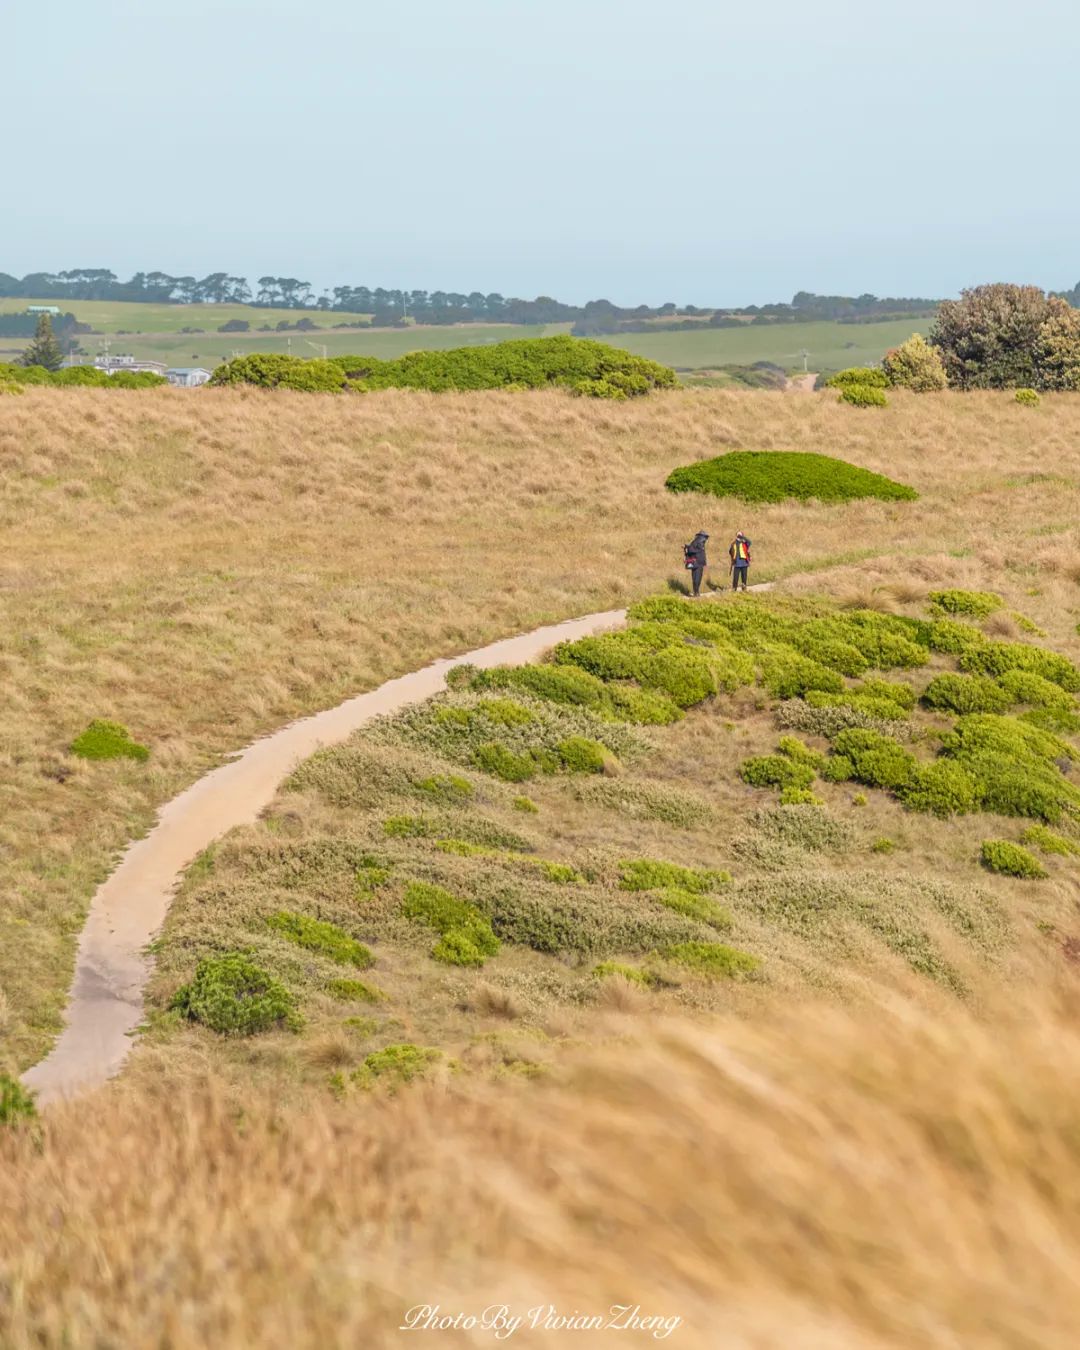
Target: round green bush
{"x":107,"y":740}
{"x":864,"y":396}
{"x":941,"y":788}
{"x":777,"y":475}
{"x":868,"y":377}
{"x":1028,"y":397}
{"x":775,"y":771}
{"x":230,"y":994}
{"x":998,"y":855}
{"x":966,"y":694}
{"x":581,"y":755}
{"x":978,"y":604}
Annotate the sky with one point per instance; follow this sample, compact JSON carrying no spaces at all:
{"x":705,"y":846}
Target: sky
{"x":702,"y":152}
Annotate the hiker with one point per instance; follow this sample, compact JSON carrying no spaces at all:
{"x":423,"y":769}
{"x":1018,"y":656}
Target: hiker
{"x":695,"y":560}
{"x":739,"y":553}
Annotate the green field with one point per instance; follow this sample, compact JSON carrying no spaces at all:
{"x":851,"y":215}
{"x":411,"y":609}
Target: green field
{"x":831,"y":346}
{"x":151,"y":332}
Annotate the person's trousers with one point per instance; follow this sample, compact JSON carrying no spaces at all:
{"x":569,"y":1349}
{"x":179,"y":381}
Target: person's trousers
{"x":696,"y":573}
{"x":738,"y":576}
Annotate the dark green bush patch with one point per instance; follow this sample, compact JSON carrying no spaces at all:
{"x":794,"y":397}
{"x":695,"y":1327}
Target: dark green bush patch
{"x":16,"y":1103}
{"x":997,"y":658}
{"x":466,"y":936}
{"x":998,"y":855}
{"x":864,"y":396}
{"x":977,"y":604}
{"x":446,"y":787}
{"x":966,"y":694}
{"x":1048,"y":842}
{"x":801,"y":753}
{"x":108,"y":740}
{"x":233,"y":996}
{"x":581,"y":755}
{"x":316,"y":935}
{"x":648,"y":874}
{"x":502,"y":762}
{"x":711,"y":960}
{"x":775,"y":771}
{"x":777,"y":475}
{"x":694,"y":905}
{"x":354,"y":991}
{"x":395,"y":1065}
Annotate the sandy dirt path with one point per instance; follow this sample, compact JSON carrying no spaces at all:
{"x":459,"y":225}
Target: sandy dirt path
{"x":105,"y":1004}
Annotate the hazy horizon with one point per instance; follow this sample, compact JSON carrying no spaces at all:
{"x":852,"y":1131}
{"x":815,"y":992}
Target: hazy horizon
{"x":579,"y":150}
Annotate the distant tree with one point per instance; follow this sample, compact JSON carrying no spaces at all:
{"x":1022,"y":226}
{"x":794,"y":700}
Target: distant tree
{"x":234,"y":326}
{"x":44,"y":350}
{"x":915,"y":365}
{"x":1006,"y":337}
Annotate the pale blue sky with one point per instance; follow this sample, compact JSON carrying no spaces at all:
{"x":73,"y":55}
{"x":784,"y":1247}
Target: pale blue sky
{"x":698,"y":151}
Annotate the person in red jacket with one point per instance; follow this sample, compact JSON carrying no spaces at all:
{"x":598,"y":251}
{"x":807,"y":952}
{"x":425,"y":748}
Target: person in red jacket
{"x":739,"y":553}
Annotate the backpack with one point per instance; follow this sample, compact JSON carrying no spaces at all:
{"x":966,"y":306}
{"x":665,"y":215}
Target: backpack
{"x":689,"y":557}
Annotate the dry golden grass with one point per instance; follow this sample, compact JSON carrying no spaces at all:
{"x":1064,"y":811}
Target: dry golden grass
{"x":204,"y":567}
{"x":795,"y":1182}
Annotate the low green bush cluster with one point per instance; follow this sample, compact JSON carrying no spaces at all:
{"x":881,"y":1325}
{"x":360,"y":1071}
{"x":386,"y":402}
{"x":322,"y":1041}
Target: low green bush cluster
{"x":780,"y":475}
{"x":1048,"y":842}
{"x":317,"y":935}
{"x":1051,"y":707}
{"x":1028,"y":397}
{"x":581,"y":755}
{"x":579,"y":365}
{"x":108,"y":740}
{"x":775,"y":771}
{"x":711,"y":960}
{"x":607,"y":970}
{"x":864,"y":396}
{"x":578,"y":687}
{"x":998,"y":658}
{"x":1014,"y":765}
{"x":685,"y":674}
{"x":77,"y":377}
{"x":502,"y":762}
{"x":977,"y":604}
{"x":447,"y":787}
{"x":465,"y":935}
{"x":649,"y":874}
{"x":354,"y":991}
{"x":693,"y":905}
{"x":966,"y":694}
{"x":880,"y":709}
{"x":998,"y":855}
{"x":879,"y":761}
{"x":233,"y":996}
{"x":800,"y":796}
{"x":801,"y":753}
{"x":16,"y":1103}
{"x":871,"y":377}
{"x":395,"y":1065}
{"x":954,"y":638}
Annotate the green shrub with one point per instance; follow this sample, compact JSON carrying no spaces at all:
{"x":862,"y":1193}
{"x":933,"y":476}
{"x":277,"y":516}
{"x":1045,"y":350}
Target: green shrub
{"x":966,"y":694}
{"x":713,"y":960}
{"x":882,"y":845}
{"x":798,"y":796}
{"x":775,"y":771}
{"x":941,"y":788}
{"x":787,"y":674}
{"x":863,"y":376}
{"x":876,"y":760}
{"x":801,"y":753}
{"x":580,"y":755}
{"x":395,"y":1065}
{"x":694,"y":905}
{"x":651,"y":707}
{"x":1013,"y":764}
{"x":1022,"y":686}
{"x":447,"y":787}
{"x":316,"y":935}
{"x":978,"y":604}
{"x":108,"y":740}
{"x":275,"y":370}
{"x":1028,"y":397}
{"x":879,"y":709}
{"x":903,"y":695}
{"x":863,"y":396}
{"x":915,"y":365}
{"x":632,"y":974}
{"x":230,"y":994}
{"x":466,"y":935}
{"x":648,"y":874}
{"x":525,"y":804}
{"x":837,"y":769}
{"x":955,"y":638}
{"x":1049,"y":842}
{"x":503,"y":711}
{"x":354,"y":991}
{"x":777,"y":475}
{"x":16,"y":1103}
{"x":685,"y":674}
{"x":502,"y":762}
{"x":998,"y":855}
{"x":996,"y":658}
{"x":407,"y":827}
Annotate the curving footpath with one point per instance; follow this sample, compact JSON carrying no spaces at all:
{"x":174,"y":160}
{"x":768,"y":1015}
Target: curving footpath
{"x":111,"y":966}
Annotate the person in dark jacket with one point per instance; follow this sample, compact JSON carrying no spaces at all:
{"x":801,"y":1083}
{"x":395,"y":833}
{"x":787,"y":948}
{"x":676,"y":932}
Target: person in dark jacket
{"x":696,"y":561}
{"x":739,"y":553}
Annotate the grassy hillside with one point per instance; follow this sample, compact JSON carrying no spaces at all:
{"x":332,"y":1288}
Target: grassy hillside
{"x":128,"y":316}
{"x":703,"y":1130}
